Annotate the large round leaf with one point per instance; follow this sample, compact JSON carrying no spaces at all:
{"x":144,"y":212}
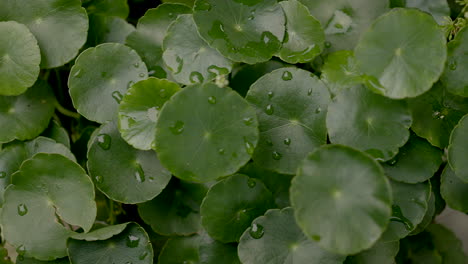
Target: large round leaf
{"x":381,"y":253}
{"x":208,"y":120}
{"x":341,"y":199}
{"x":454,"y":190}
{"x":139,"y":110}
{"x":226,"y":214}
{"x":132,"y":245}
{"x":304,"y":35}
{"x":19,"y":58}
{"x":410,"y":203}
{"x":47,"y":191}
{"x":437,"y":8}
{"x":458,"y":149}
{"x":188,"y":57}
{"x":148,"y":38}
{"x":60,"y":26}
{"x":248,"y":31}
{"x":176,"y":211}
{"x":180,"y":250}
{"x":123,"y":173}
{"x":275,"y":238}
{"x":417,"y":161}
{"x":101,"y":76}
{"x":369,"y":122}
{"x":455,"y":77}
{"x":26,"y":116}
{"x":403,"y":53}
{"x":291,"y":107}
{"x":345,"y":20}
{"x":436,"y":113}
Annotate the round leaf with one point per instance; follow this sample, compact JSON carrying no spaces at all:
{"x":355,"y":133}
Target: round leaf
{"x":455,"y":77}
{"x":133,"y":176}
{"x":26,"y":115}
{"x":304,"y":35}
{"x":345,"y":207}
{"x":57,"y":133}
{"x":20,"y":58}
{"x":369,"y":122}
{"x":60,"y":27}
{"x":458,"y":149}
{"x":417,"y":161}
{"x":132,"y":245}
{"x":103,"y":29}
{"x":148,"y":38}
{"x":291,"y":107}
{"x":176,"y":211}
{"x":188,"y":57}
{"x":47,"y":190}
{"x":226,"y":214}
{"x":248,"y":31}
{"x":454,"y":190}
{"x":275,"y":238}
{"x":139,"y":110}
{"x":206,"y":119}
{"x":101,"y":76}
{"x":180,"y":250}
{"x":381,"y":252}
{"x":403,"y":53}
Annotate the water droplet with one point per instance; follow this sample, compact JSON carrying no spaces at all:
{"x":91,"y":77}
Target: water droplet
{"x":269,"y":142}
{"x":328,"y":44}
{"x":136,"y":64}
{"x":177,"y":128}
{"x":171,"y":15}
{"x":251,"y":17}
{"x":143,"y":255}
{"x":212,"y":100}
{"x":249,"y":147}
{"x":196,"y":77}
{"x":287,"y":141}
{"x":221,"y":151}
{"x":309,"y":92}
{"x":162,"y":93}
{"x":392,"y":162}
{"x":276,"y":155}
{"x":77,"y":74}
{"x":453,"y":65}
{"x":398,"y":216}
{"x":139,"y":174}
{"x":270,"y":95}
{"x":98,"y":179}
{"x":202,"y":6}
{"x":269,"y":110}
{"x":117,"y":96}
{"x":251,"y":182}
{"x":256,"y":231}
{"x":22,"y":209}
{"x":142,"y":74}
{"x":318,"y":110}
{"x":104,"y":141}
{"x":2,"y":174}
{"x":180,"y":64}
{"x":133,"y":241}
{"x":266,"y":38}
{"x":248,"y":121}
{"x":130,"y":83}
{"x":21,"y":250}
{"x":287,"y":76}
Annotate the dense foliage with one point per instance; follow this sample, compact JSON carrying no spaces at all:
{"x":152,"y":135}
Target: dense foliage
{"x":232,"y":131}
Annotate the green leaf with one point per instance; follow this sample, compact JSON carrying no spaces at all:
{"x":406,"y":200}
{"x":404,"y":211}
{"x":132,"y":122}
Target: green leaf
{"x":276,"y":238}
{"x":244,"y":76}
{"x":148,"y":38}
{"x":118,"y":8}
{"x":437,"y":8}
{"x":139,"y":110}
{"x":345,"y":20}
{"x":417,"y":161}
{"x":454,"y":190}
{"x":291,"y":107}
{"x":48,"y":193}
{"x":34,"y":261}
{"x":341,"y":199}
{"x":304,"y":35}
{"x":458,"y":149}
{"x":20,"y":58}
{"x":449,"y":246}
{"x":226,"y":214}
{"x":248,"y":31}
{"x":176,"y":211}
{"x":381,"y":252}
{"x":57,"y":133}
{"x":103,"y":233}
{"x":455,"y":77}
{"x":206,"y":119}
{"x":369,"y":122}
{"x":403,"y":53}
{"x":26,"y":115}
{"x":213,"y":252}
{"x":340,"y":71}
{"x":429,"y":216}
{"x":131,"y":245}
{"x":101,"y":76}
{"x":436,"y":113}
{"x":188,"y":56}
{"x":133,"y":176}
{"x":180,"y":250}
{"x":410,"y":203}
{"x":104,"y":29}
{"x":59,"y":26}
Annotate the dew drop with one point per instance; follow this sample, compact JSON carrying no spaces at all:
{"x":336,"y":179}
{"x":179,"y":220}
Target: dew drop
{"x":77,"y":74}
{"x":141,"y":74}
{"x":177,"y":128}
{"x":453,"y":65}
{"x":130,"y":83}
{"x":104,"y":141}
{"x":117,"y":96}
{"x":143,"y":255}
{"x":249,"y":146}
{"x":162,"y":93}
{"x":269,"y":110}
{"x":21,"y":250}
{"x":392,"y":162}
{"x":248,"y":121}
{"x":139,"y":174}
{"x":98,"y":179}
{"x":196,"y":77}
{"x":270,"y":95}
{"x":2,"y":174}
{"x":309,"y":92}
{"x":287,"y":141}
{"x":221,"y":151}
{"x":22,"y":209}
{"x":212,"y":100}
{"x":328,"y":44}
{"x":133,"y":241}
{"x":287,"y":76}
{"x":251,"y":183}
{"x":276,"y":155}
{"x":136,"y":64}
{"x":318,"y":110}
{"x":256,"y":231}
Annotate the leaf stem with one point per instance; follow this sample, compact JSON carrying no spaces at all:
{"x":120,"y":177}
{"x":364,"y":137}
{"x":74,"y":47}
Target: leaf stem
{"x":65,"y":111}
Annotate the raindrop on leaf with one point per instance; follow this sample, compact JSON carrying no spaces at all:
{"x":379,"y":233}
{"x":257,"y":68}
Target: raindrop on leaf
{"x":276,"y":155}
{"x":177,"y":128}
{"x":269,"y":110}
{"x":117,"y":96}
{"x":104,"y":141}
{"x":256,"y":231}
{"x":22,"y":209}
{"x":2,"y":174}
{"x":133,"y":241}
{"x":287,"y":141}
{"x":212,"y":100}
{"x":287,"y":76}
